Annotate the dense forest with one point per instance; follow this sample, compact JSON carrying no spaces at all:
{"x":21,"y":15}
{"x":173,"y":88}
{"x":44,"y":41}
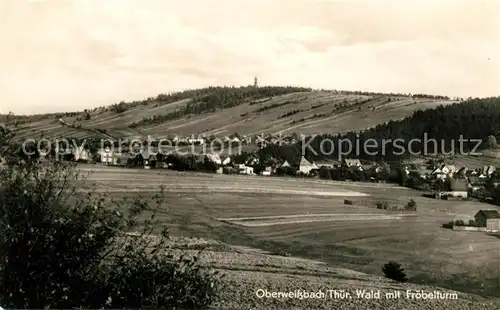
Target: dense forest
{"x":474,"y":119}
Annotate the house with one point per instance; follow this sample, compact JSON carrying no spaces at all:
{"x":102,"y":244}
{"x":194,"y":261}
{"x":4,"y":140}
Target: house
{"x":146,"y":159}
{"x":121,"y":159}
{"x":462,"y":172}
{"x":285,"y":165}
{"x":438,"y":173}
{"x":261,"y":142}
{"x":305,"y":166}
{"x":81,"y":154}
{"x":244,"y":169}
{"x":420,"y":172}
{"x":225,"y":160}
{"x":326,"y":164}
{"x":195,"y":141}
{"x":348,"y":163}
{"x":247,"y":139}
{"x":448,"y":169}
{"x":459,"y":188}
{"x":252,"y":161}
{"x":489,"y":219}
{"x":287,"y":139}
{"x":472,"y":172}
{"x":474,"y":180}
{"x":214,"y":158}
{"x":106,"y":155}
{"x":487,"y":171}
{"x":267,"y":172}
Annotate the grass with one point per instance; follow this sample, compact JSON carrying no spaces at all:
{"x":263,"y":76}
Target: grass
{"x":427,"y":252}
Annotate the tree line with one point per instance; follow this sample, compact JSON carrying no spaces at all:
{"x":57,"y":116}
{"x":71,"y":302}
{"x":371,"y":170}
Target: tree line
{"x":475,"y":119}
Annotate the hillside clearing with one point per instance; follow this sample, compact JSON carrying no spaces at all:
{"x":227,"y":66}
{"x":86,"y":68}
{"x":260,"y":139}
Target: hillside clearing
{"x":319,"y":109}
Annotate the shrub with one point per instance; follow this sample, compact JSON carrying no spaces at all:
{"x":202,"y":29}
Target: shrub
{"x":65,"y":250}
{"x":281,"y":253}
{"x":394,"y":271}
{"x":448,"y":225}
{"x":119,"y":107}
{"x":459,"y":223}
{"x":382,"y":205}
{"x":411,"y":206}
{"x":347,"y":202}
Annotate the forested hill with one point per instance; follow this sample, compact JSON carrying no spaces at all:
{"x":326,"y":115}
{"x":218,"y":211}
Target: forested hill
{"x":477,"y":119}
{"x":224,"y":111}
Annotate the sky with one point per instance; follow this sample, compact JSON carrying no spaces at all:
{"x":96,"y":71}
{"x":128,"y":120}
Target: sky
{"x":64,"y":55}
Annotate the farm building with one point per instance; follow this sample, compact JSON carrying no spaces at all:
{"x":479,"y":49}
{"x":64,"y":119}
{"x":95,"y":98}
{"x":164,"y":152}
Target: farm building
{"x":305,"y":166}
{"x":285,"y":165}
{"x":348,"y":163}
{"x":121,"y":159}
{"x":459,"y":188}
{"x":244,"y":169}
{"x":146,"y":159}
{"x":81,"y":153}
{"x":106,"y":155}
{"x":489,"y":219}
{"x":326,"y":164}
{"x":194,"y":140}
{"x":487,"y":171}
{"x":267,"y":171}
{"x":438,"y":173}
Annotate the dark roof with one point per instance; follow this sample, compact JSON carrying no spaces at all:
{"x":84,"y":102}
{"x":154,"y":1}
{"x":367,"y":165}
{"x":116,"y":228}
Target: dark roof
{"x":489,"y":214}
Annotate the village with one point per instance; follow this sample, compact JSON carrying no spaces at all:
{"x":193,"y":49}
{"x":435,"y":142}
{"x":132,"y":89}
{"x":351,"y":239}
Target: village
{"x":434,"y":178}
{"x":437,"y":178}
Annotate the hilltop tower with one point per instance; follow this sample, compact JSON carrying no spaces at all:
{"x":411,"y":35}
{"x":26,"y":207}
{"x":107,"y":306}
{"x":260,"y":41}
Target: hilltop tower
{"x":255,"y":84}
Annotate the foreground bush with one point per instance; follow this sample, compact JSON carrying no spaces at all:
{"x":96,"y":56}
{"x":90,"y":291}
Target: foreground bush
{"x":61,"y":251}
{"x":394,"y":271}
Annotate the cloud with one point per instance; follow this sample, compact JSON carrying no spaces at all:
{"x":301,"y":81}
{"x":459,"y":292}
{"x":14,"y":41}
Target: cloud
{"x":68,"y":55}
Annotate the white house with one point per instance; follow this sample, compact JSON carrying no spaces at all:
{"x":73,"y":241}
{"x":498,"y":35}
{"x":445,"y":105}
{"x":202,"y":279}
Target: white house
{"x":439,"y":174}
{"x":285,"y":165}
{"x":226,"y":161}
{"x":215,"y":158}
{"x":348,"y":163}
{"x":194,"y":140}
{"x":267,"y":172}
{"x":106,"y":156}
{"x":244,"y":169}
{"x":305,"y":166}
{"x":487,"y":171}
{"x":253,"y":161}
{"x":448,"y":169}
{"x":81,"y":154}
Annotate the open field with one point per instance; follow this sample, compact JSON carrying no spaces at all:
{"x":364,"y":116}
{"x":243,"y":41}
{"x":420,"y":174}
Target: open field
{"x":248,"y":269}
{"x":297,"y":216}
{"x":314,"y":114}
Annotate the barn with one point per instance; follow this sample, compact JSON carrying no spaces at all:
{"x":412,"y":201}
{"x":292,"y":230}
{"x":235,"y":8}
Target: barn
{"x":489,"y":219}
